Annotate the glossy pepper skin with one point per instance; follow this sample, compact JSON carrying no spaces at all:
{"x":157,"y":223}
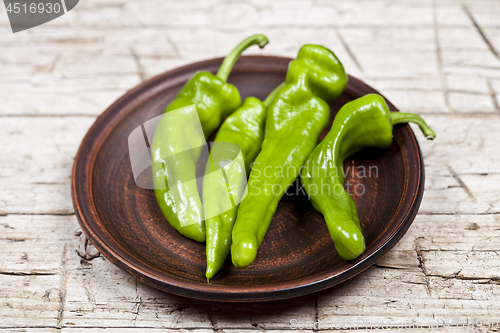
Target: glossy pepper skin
{"x":244,"y":130}
{"x":214,"y":99}
{"x":364,"y":122}
{"x":294,"y":122}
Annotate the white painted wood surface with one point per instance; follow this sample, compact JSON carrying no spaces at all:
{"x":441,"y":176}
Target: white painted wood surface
{"x":436,"y":58}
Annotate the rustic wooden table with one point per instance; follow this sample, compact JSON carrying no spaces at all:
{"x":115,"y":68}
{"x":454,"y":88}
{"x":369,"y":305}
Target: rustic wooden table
{"x":439,"y":59}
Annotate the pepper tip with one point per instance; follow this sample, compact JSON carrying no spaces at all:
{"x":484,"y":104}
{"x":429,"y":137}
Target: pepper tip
{"x":263,"y":42}
{"x":430,"y":135}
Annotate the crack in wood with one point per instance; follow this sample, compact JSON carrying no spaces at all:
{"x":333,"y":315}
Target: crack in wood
{"x":174,"y":46}
{"x":138,"y":64}
{"x":458,"y":214}
{"x":138,"y":300}
{"x":179,"y":308}
{"x":479,"y":280}
{"x":461,"y":183}
{"x":493,"y":95}
{"x":90,"y":294}
{"x":213,"y":322}
{"x":86,"y":250}
{"x":351,"y":54}
{"x":62,"y":289}
{"x":316,"y":314}
{"x":13,"y":240}
{"x":421,"y":264}
{"x":440,"y":56}
{"x":48,"y":115}
{"x":480,"y":31}
{"x":391,"y":266}
{"x":37,"y":214}
{"x":30,"y":273}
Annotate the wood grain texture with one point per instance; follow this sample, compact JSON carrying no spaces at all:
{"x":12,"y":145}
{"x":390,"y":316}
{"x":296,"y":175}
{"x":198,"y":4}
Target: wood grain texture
{"x":427,"y":57}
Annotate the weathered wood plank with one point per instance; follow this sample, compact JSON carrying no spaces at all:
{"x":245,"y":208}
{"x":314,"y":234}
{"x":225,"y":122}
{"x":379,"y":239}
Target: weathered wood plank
{"x":407,"y":297}
{"x":36,"y":163}
{"x":31,"y":330}
{"x":132,"y":330}
{"x":34,"y":244}
{"x":101,"y":294}
{"x":29,"y":300}
{"x":461,"y":164}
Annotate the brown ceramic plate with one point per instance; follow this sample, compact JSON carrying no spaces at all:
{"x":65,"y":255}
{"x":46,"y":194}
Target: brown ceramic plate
{"x":297,"y":256}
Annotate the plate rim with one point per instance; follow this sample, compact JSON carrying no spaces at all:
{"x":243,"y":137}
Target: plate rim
{"x":126,"y":261}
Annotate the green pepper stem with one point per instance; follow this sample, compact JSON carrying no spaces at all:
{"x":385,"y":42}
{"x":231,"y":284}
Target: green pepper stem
{"x":403,"y":118}
{"x":270,"y":98}
{"x":228,"y":63}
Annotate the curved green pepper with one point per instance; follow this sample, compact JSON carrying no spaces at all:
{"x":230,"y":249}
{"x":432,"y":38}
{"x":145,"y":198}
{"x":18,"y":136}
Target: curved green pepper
{"x":294,"y":122}
{"x":245,"y":130}
{"x":214,"y":99}
{"x":363,"y":122}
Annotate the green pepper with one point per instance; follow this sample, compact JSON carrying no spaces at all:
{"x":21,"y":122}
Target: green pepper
{"x":363,"y":122}
{"x":214,"y":99}
{"x":295,"y":119}
{"x":242,"y":131}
